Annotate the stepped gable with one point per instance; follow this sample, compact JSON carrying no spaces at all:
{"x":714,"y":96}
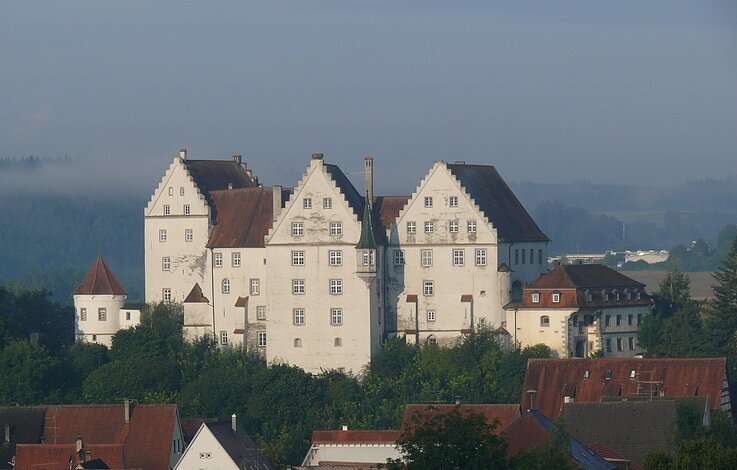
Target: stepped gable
{"x":593,"y":380}
{"x":99,"y":281}
{"x":497,"y":201}
{"x":506,"y":414}
{"x":584,"y":276}
{"x":196,"y":295}
{"x":243,"y":217}
{"x":355,"y":200}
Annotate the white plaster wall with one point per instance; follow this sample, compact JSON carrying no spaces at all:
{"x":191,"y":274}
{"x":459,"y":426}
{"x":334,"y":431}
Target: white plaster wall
{"x":188,"y":259}
{"x":135,"y":318}
{"x":359,"y":453}
{"x":204,"y":443}
{"x":529,"y":331}
{"x":624,"y":331}
{"x":197,"y":320}
{"x":523,"y":272}
{"x":104,"y":330}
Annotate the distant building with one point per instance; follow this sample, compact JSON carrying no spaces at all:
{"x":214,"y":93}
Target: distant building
{"x":359,"y":449}
{"x":100,"y":306}
{"x":580,"y":309}
{"x":649,"y":256}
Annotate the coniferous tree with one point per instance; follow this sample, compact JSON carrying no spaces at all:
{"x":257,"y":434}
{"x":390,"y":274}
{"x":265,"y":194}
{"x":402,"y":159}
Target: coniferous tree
{"x":720,"y":324}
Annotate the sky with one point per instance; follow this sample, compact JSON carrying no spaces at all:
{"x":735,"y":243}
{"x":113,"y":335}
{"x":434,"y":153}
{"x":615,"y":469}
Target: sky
{"x":609,"y":91}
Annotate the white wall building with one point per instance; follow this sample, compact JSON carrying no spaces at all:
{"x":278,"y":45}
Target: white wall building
{"x":100,"y":306}
{"x":352,"y":448}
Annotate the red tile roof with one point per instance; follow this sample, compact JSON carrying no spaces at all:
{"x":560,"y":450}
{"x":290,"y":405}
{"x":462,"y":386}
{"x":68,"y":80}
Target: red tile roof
{"x":587,"y":276}
{"x":241,"y":302}
{"x":147,"y":439}
{"x":99,"y":281}
{"x":196,"y":295}
{"x":606,"y":452}
{"x":553,"y":378}
{"x":505,"y":414}
{"x":387,"y":208}
{"x":243,"y":217}
{"x":355,"y":437}
{"x":57,"y":456}
{"x":526,"y":433}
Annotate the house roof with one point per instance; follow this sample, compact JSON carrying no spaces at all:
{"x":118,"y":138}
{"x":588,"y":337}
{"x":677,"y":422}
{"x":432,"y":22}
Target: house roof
{"x":196,"y":295}
{"x":499,"y":204}
{"x":367,"y":241}
{"x":239,"y":446}
{"x":57,"y":456}
{"x":387,"y":209}
{"x":213,"y":175}
{"x":584,"y":276}
{"x":505,"y":414}
{"x":355,"y":200}
{"x":26,"y":426}
{"x":190,"y":426}
{"x":586,"y":380}
{"x":99,"y":281}
{"x":146,"y":439}
{"x":633,"y":429}
{"x":243,"y":217}
{"x":355,"y":437}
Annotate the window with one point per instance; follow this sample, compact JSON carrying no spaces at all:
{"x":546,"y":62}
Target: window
{"x":181,"y":190}
{"x":335,"y":257}
{"x":432,"y":341}
{"x":223,"y":337}
{"x":481,"y":257}
{"x":411,"y":228}
{"x":336,"y":229}
{"x":297,"y":342}
{"x":607,"y":320}
{"x":535,"y":297}
{"x":83,"y":314}
{"x":166,"y":295}
{"x":516,"y":256}
{"x":459,"y":257}
{"x":431,"y":315}
{"x":94,"y":337}
{"x":398,"y":257}
{"x":453,"y":201}
{"x":166,"y":263}
{"x":630,"y":319}
{"x":336,"y":316}
{"x":226,"y":286}
{"x":544,"y":321}
{"x":327,"y":203}
{"x":307,"y":203}
{"x":633,"y":374}
{"x":426,"y":258}
{"x":619,"y":320}
{"x":262,"y":339}
{"x":255,"y":286}
{"x":162,"y":235}
{"x":631,"y":342}
{"x":639,"y":319}
{"x":218,"y":260}
{"x":336,"y":286}
{"x":261,"y":312}
{"x":171,"y":191}
{"x":616,"y":295}
{"x":298,"y":286}
{"x":188,"y":235}
{"x":524,"y":256}
{"x":609,"y":345}
{"x":236,"y":259}
{"x":532,"y":256}
{"x":471,"y":226}
{"x":556,"y":297}
{"x":298,"y":314}
{"x":605,"y":295}
{"x":586,"y":374}
{"x":619,"y":345}
{"x":338,"y":342}
{"x":167,"y":209}
{"x":102,"y":314}
{"x":539,"y":256}
{"x":298,"y":258}
{"x":428,"y":202}
{"x":429,"y":227}
{"x":428,"y":288}
{"x":127,"y":316}
{"x":453,"y":226}
{"x":588,"y":296}
{"x":186,"y":209}
{"x":638,"y":295}
{"x":628,"y":294}
{"x":298,"y":229}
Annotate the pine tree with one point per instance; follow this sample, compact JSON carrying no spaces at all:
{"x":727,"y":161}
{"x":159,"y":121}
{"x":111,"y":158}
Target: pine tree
{"x":720,"y":324}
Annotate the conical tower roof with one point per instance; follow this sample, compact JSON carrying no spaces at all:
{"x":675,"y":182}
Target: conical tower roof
{"x":99,"y":281}
{"x":367,"y":240}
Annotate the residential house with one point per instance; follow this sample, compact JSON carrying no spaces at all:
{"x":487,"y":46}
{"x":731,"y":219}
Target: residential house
{"x":19,"y":425}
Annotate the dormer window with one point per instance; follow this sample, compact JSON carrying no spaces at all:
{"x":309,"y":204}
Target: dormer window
{"x":616,"y":295}
{"x":586,"y":374}
{"x":638,"y":296}
{"x":628,"y":294}
{"x":535,"y":297}
{"x":632,"y":374}
{"x":605,"y":295}
{"x":556,"y":297}
{"x":589,"y":298}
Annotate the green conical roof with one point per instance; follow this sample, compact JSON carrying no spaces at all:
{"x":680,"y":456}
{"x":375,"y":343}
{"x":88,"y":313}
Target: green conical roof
{"x":367,"y":241}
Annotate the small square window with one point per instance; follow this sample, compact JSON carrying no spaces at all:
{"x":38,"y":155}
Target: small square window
{"x":480,"y":257}
{"x":186,"y":209}
{"x":255,"y":286}
{"x":262,"y":339}
{"x":453,"y":226}
{"x":556,"y":297}
{"x":336,"y":316}
{"x":188,"y":235}
{"x":336,"y":229}
{"x":261,"y":312}
{"x":338,"y":342}
{"x":428,"y":202}
{"x":307,"y":203}
{"x":327,"y":203}
{"x":453,"y":201}
{"x":471,"y":226}
{"x":298,"y":258}
{"x":431,"y":315}
{"x":162,"y":235}
{"x":336,"y":286}
{"x":236,"y":259}
{"x":298,"y":229}
{"x":218,"y":260}
{"x":459,"y":257}
{"x":428,"y":288}
{"x":298,"y":286}
{"x":429,"y":227}
{"x":426,"y":258}
{"x":166,"y":295}
{"x":167,"y":209}
{"x":166,"y":263}
{"x":398,"y":257}
{"x":411,"y":228}
{"x":297,"y":342}
{"x":545,"y":321}
{"x":535,"y":297}
{"x":102,"y":314}
{"x":223,"y":337}
{"x":298,"y":315}
{"x":335,"y":257}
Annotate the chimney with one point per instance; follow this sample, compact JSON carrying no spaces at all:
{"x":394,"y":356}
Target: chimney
{"x":368,"y":175}
{"x":232,"y":422}
{"x":317,"y":156}
{"x":183,"y":153}
{"x":7,"y":432}
{"x":127,"y":406}
{"x":345,"y":428}
{"x":460,"y":162}
{"x":276,"y":202}
{"x":237,"y":159}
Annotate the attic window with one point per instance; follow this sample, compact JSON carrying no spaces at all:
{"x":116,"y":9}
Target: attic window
{"x":632,"y":374}
{"x":588,"y":296}
{"x":639,"y":295}
{"x":556,"y":297}
{"x":608,"y":374}
{"x":605,"y":295}
{"x":586,"y":374}
{"x":307,"y":203}
{"x":453,"y":201}
{"x":535,"y":297}
{"x":428,"y":202}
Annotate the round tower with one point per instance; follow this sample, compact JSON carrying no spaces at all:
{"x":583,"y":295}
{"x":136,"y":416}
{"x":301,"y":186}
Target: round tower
{"x":97,"y":304}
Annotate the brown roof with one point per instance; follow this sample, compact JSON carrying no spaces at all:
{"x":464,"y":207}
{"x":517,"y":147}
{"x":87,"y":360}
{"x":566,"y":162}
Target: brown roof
{"x":355,"y":437}
{"x":196,"y":295}
{"x":57,"y":456}
{"x":499,"y":204}
{"x":526,"y":433}
{"x":553,"y":378}
{"x":190,"y":426}
{"x":387,"y":208}
{"x":146,"y":439}
{"x":241,"y":302}
{"x":99,"y":281}
{"x":213,"y":175}
{"x":505,"y":414}
{"x":606,"y":452}
{"x":243,"y":217}
{"x":586,"y":276}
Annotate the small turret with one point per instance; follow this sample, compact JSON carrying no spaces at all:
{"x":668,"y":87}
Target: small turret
{"x":366,"y":256}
